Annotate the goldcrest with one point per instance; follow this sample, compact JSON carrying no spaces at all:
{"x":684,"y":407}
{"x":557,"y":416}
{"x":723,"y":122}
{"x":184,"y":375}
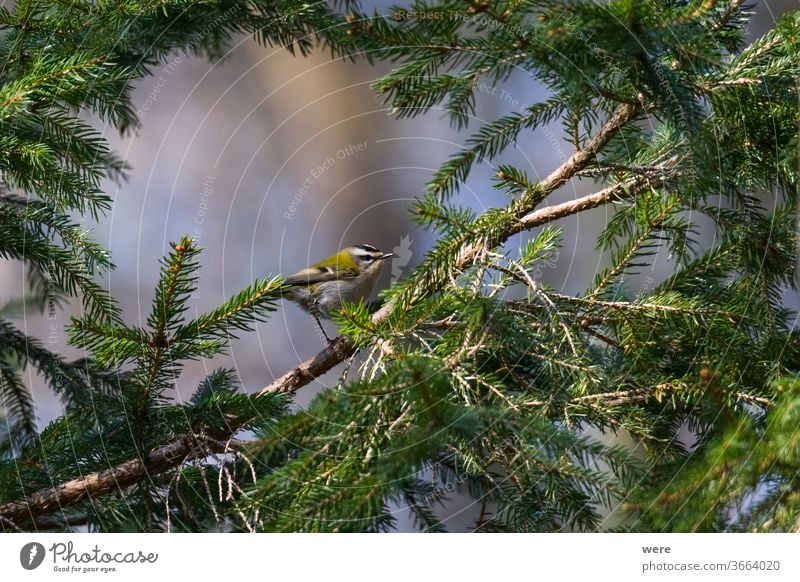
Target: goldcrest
{"x":348,"y":276}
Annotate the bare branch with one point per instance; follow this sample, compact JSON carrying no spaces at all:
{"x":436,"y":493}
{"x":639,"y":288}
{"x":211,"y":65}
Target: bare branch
{"x":94,"y":484}
{"x":337,"y":351}
{"x":619,"y":191}
{"x":581,"y":158}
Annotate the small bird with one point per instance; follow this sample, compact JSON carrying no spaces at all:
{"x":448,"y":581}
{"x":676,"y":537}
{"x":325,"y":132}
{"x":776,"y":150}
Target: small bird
{"x":348,"y":276}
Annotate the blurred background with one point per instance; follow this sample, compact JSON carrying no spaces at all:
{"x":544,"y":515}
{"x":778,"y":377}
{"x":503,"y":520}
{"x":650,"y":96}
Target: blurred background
{"x":274,"y":162}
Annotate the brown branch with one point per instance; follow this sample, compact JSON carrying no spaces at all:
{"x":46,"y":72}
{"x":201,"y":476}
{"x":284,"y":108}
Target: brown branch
{"x":763,"y":402}
{"x":603,"y":337}
{"x":337,"y":351}
{"x":620,"y":191}
{"x":94,"y":484}
{"x":729,"y":83}
{"x":126,"y":474}
{"x":581,"y":158}
{"x":621,"y":397}
{"x":163,"y":458}
{"x":640,"y":395}
{"x":627,"y":306}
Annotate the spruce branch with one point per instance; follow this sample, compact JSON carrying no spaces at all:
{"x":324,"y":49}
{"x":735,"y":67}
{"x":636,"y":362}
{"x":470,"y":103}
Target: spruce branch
{"x":724,"y":18}
{"x":176,"y":452}
{"x":626,"y":189}
{"x":691,"y":310}
{"x":252,"y":304}
{"x":114,"y":479}
{"x":492,"y":139}
{"x":580,"y":159}
{"x":195,"y":445}
{"x":216,"y":412}
{"x":20,"y":411}
{"x":489,"y":393}
{"x":340,"y":349}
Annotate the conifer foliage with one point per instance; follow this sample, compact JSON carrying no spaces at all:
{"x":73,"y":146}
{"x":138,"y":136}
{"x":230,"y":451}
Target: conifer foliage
{"x":477,"y":379}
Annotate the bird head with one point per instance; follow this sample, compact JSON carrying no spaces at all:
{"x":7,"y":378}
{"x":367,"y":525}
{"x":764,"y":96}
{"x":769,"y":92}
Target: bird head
{"x":366,"y":257}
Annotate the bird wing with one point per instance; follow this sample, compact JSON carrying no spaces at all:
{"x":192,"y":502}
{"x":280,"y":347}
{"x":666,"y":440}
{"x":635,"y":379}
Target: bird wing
{"x":314,"y":275}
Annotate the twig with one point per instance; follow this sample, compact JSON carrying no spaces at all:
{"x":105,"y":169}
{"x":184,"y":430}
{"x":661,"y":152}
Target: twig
{"x":602,"y":337}
{"x":620,"y":397}
{"x":766,"y":402}
{"x":628,"y":306}
{"x":729,"y":83}
{"x":481,"y":521}
{"x":726,"y":16}
{"x":548,"y":303}
{"x":626,"y":189}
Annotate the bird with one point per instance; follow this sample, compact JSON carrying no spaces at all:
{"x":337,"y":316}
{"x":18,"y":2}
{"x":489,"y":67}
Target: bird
{"x":348,"y":276}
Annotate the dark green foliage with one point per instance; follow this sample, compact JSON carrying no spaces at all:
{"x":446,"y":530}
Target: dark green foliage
{"x":479,"y":383}
{"x":341,"y":475}
{"x":744,"y":479}
{"x":158,"y":352}
{"x":106,"y":427}
{"x":487,"y":143}
{"x":60,"y":62}
{"x":701,"y":350}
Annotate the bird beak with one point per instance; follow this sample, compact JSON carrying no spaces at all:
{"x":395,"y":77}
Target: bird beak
{"x":387,"y":256}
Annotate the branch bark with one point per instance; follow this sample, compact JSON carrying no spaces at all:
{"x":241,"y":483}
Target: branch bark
{"x":92,"y":485}
{"x":579,"y":160}
{"x":337,"y":351}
